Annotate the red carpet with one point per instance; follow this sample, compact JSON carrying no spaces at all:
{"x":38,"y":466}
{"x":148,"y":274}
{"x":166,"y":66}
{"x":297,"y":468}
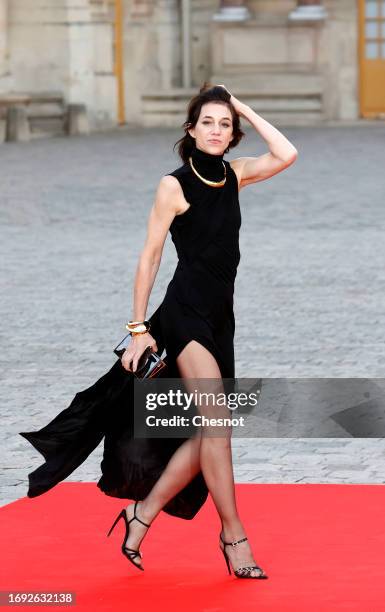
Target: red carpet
{"x":323,"y":547}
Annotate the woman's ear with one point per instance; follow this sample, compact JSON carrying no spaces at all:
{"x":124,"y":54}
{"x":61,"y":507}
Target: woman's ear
{"x":191,"y":132}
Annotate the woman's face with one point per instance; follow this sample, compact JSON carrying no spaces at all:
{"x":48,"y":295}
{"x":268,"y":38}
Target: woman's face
{"x":214,"y":129}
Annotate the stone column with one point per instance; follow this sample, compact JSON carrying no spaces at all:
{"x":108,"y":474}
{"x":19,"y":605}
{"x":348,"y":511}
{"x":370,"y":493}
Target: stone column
{"x":308,"y":10}
{"x":232,"y":10}
{"x":186,"y":43}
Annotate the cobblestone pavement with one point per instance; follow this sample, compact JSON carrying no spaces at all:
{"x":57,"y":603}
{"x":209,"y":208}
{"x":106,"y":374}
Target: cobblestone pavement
{"x":310,"y":289}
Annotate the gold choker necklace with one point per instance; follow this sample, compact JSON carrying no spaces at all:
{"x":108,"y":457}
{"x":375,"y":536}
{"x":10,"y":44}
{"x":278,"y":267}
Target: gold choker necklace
{"x":206,"y":181}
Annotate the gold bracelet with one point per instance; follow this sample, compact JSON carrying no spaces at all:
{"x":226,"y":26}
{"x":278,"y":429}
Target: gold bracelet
{"x":138,"y":322}
{"x":138,"y":326}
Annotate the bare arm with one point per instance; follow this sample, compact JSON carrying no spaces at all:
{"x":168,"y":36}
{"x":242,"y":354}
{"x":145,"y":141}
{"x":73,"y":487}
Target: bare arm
{"x":165,"y":207}
{"x":281,"y":148}
{"x":282,"y":153}
{"x":161,"y":216}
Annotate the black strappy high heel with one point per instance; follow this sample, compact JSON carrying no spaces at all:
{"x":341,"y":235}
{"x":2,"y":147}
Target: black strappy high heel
{"x":134,"y":553}
{"x":240,"y":572}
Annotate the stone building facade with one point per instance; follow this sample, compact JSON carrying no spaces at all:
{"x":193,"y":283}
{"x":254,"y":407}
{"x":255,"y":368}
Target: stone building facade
{"x":139,"y":61}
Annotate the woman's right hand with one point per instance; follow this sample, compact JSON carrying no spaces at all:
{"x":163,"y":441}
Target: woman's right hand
{"x":135,"y":350}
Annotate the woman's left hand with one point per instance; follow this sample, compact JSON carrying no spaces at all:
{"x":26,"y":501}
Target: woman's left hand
{"x":239,"y":106}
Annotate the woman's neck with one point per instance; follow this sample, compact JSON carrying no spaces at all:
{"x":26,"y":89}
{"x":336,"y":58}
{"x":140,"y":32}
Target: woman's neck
{"x":209,"y":165}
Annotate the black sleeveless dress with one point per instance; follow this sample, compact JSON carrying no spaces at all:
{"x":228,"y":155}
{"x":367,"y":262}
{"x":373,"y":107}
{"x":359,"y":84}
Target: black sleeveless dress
{"x":198,"y":305}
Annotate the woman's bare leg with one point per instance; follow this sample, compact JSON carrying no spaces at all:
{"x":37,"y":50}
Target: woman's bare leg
{"x":195,"y":361}
{"x":180,"y":470}
{"x":211,"y":454}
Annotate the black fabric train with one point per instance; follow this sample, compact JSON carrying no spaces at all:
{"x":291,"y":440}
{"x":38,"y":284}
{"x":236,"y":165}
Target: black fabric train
{"x":198,"y":305}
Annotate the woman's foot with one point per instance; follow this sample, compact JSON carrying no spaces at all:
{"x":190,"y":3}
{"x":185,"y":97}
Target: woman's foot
{"x":137,"y":530}
{"x":239,"y":555}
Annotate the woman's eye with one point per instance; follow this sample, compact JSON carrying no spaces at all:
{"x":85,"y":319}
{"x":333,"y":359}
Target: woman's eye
{"x":224,"y":124}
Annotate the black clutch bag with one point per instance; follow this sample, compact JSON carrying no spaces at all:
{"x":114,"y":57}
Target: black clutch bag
{"x":150,"y":363}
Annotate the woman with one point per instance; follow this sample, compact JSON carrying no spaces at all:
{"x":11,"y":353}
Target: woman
{"x":197,"y":315}
{"x":198,"y":204}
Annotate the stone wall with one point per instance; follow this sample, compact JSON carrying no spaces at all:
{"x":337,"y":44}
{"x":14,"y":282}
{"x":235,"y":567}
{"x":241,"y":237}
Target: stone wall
{"x":4,"y":54}
{"x":64,"y":47}
{"x":152,"y":50}
{"x":339,"y":56}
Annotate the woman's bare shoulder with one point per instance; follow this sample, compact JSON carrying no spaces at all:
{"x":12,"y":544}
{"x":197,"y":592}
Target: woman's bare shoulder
{"x":170,"y":184}
{"x":170,"y":193}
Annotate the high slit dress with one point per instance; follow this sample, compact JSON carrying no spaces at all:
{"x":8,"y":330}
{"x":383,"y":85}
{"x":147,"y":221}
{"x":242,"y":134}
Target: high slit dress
{"x":198,"y":305}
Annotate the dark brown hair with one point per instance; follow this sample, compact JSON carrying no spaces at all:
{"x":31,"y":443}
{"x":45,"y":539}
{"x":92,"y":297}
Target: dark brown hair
{"x":207,"y":93}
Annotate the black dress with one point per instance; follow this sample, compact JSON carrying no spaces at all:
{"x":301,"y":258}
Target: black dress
{"x":198,"y":305}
